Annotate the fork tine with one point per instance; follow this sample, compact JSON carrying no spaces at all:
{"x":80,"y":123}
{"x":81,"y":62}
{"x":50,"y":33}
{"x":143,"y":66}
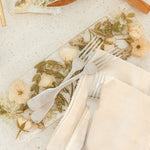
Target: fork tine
{"x":88,"y":49}
{"x":100,"y":60}
{"x":115,"y":52}
{"x":86,"y":46}
{"x":92,"y":52}
{"x":99,"y":90}
{"x":91,"y":55}
{"x":99,"y":78}
{"x":106,"y":63}
{"x":92,"y":86}
{"x":106,"y":55}
{"x":97,"y":86}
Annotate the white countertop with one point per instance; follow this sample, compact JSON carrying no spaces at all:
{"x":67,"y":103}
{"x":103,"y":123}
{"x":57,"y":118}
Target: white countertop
{"x":28,"y":38}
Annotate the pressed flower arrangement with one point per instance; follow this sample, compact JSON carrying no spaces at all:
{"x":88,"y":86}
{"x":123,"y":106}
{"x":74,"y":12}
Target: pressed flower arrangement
{"x":37,"y":6}
{"x":117,"y":31}
{"x":120,"y":31}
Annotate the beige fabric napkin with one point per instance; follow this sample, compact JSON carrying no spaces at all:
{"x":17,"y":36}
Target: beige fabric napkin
{"x":120,"y":69}
{"x":129,"y":73}
{"x":121,"y":122}
{"x":67,"y":125}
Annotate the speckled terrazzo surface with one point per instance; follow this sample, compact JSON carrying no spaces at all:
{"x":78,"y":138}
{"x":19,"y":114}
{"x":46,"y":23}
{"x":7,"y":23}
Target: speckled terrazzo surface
{"x":28,"y":38}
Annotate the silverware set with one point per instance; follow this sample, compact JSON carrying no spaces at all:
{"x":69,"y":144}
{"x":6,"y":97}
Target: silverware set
{"x":43,"y":102}
{"x":84,"y":56}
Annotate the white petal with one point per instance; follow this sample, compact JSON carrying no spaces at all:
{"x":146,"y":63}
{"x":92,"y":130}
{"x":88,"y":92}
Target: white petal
{"x":19,"y":86}
{"x":46,"y":81}
{"x":68,"y":54}
{"x":122,"y":44}
{"x":107,"y":47}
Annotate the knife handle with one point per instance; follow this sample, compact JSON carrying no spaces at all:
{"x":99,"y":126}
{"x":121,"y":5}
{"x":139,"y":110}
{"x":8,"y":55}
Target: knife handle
{"x":141,"y":5}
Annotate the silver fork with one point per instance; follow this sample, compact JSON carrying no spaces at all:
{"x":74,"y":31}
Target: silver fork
{"x":84,"y":56}
{"x":93,"y":102}
{"x":43,"y":102}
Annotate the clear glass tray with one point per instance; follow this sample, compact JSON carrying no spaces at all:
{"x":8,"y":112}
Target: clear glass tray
{"x":31,"y":6}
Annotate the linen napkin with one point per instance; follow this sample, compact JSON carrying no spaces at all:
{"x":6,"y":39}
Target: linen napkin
{"x":120,"y":69}
{"x":121,"y":122}
{"x":128,"y":73}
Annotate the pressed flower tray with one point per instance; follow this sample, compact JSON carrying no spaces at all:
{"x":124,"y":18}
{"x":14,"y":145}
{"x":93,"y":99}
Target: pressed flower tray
{"x":28,"y":6}
{"x":37,"y":6}
{"x":99,"y":29}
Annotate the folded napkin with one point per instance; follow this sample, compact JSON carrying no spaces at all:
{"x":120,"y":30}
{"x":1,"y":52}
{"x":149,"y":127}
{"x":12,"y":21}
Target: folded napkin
{"x":121,"y":122}
{"x":124,"y":71}
{"x":129,"y":73}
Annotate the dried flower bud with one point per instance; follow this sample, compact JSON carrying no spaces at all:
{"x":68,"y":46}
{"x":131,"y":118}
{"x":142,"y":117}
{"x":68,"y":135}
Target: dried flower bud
{"x":140,"y":47}
{"x":68,"y":54}
{"x":19,"y":92}
{"x":135,"y":31}
{"x":46,"y":81}
{"x":24,"y":124}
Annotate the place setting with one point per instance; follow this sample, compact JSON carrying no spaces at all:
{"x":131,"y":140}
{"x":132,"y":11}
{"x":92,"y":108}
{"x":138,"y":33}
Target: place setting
{"x":88,"y":94}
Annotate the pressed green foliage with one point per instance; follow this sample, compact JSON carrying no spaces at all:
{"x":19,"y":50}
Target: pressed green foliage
{"x":42,"y":63}
{"x":123,"y":15}
{"x":49,"y":72}
{"x":5,"y":110}
{"x":55,"y":64}
{"x":65,"y":90}
{"x":129,"y":21}
{"x":37,"y":89}
{"x":37,"y":78}
{"x":129,"y":40}
{"x":22,"y":108}
{"x":22,"y":126}
{"x":33,"y":87}
{"x":117,"y":27}
{"x":80,"y":43}
{"x":68,"y":66}
{"x":2,"y":110}
{"x":131,"y":15}
{"x":71,"y":94}
{"x":63,"y":99}
{"x":58,"y":75}
{"x":98,"y":25}
{"x":104,"y":29}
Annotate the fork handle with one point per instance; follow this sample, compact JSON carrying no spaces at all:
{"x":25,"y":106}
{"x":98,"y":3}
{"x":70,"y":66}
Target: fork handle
{"x":36,"y":104}
{"x":83,"y":147}
{"x":67,"y":82}
{"x":38,"y":115}
{"x":70,"y":74}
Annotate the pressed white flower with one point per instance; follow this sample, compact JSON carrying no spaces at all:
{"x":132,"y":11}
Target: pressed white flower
{"x":46,"y":81}
{"x":108,"y":47}
{"x":110,"y":40}
{"x":22,"y":5}
{"x":68,"y":54}
{"x":27,"y":123}
{"x":122,"y":44}
{"x":86,"y":36}
{"x":135,"y":31}
{"x":19,"y":92}
{"x":140,"y":47}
